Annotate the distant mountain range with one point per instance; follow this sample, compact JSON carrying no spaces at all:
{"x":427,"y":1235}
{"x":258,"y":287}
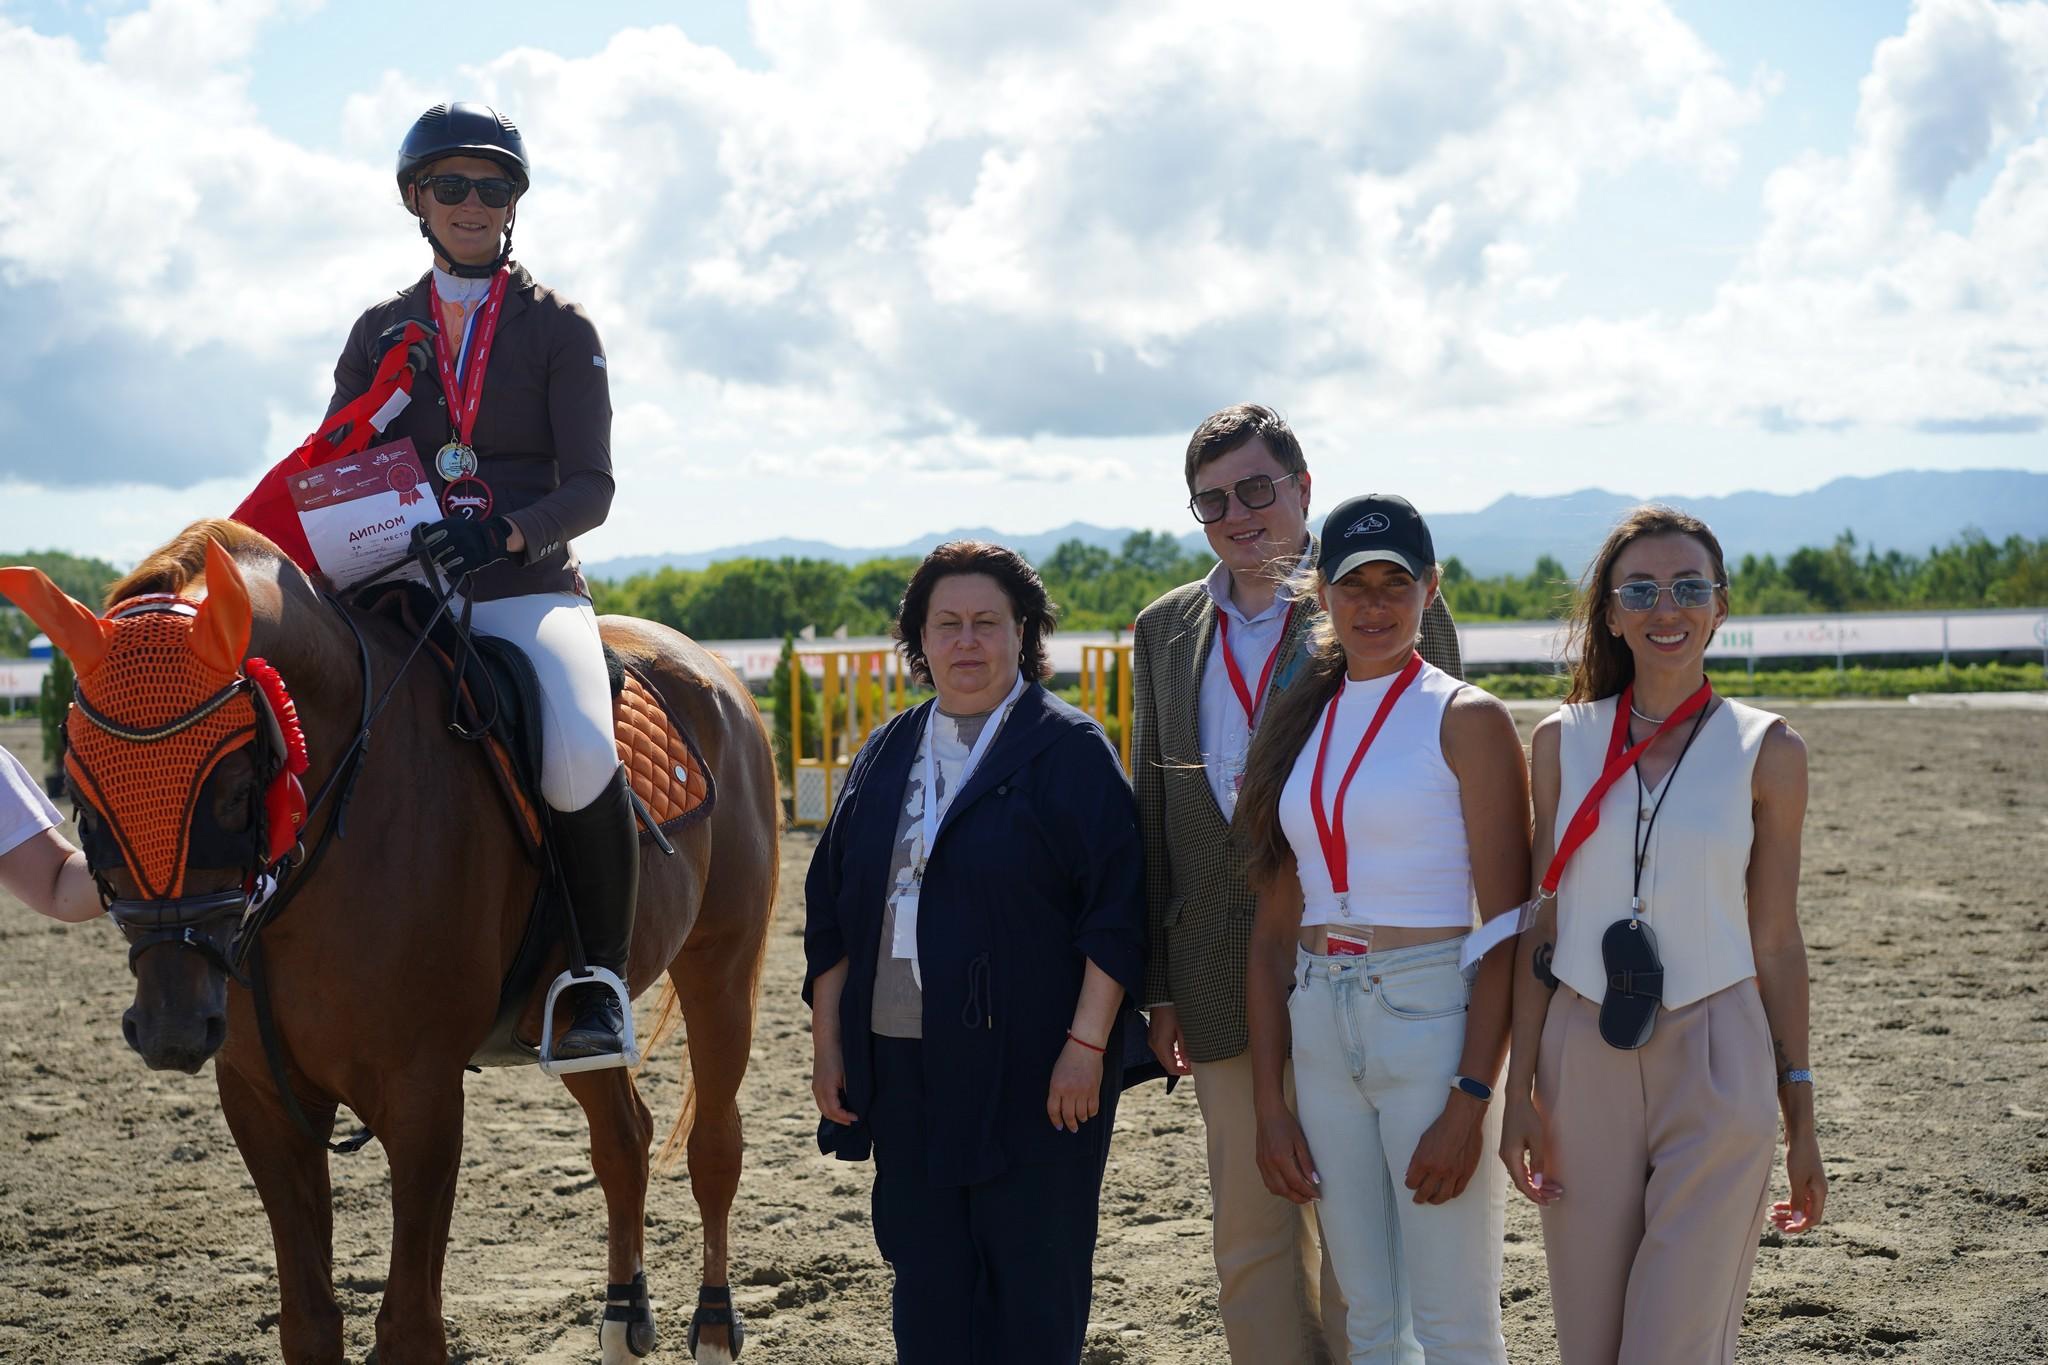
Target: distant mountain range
{"x":1910,"y":511}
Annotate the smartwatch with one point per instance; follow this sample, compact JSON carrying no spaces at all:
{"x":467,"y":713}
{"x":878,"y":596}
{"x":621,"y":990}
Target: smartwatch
{"x":1478,"y":1090}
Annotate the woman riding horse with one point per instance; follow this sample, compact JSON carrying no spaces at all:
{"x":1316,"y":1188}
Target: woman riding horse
{"x":519,"y":450}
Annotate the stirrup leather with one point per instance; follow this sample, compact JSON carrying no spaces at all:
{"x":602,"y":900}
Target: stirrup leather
{"x":628,"y":1056}
{"x":714,"y":1309}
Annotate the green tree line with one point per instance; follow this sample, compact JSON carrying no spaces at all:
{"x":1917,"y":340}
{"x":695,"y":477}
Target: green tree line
{"x":1096,"y":589}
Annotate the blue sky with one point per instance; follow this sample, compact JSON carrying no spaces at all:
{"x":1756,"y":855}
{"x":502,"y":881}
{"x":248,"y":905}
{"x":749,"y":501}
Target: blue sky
{"x":872,"y":268}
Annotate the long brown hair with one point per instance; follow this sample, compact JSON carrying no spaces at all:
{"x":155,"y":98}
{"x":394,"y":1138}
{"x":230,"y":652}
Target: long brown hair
{"x":1600,"y":660}
{"x":1283,"y":732}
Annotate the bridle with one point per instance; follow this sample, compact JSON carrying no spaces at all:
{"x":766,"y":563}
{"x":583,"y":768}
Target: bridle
{"x":222,"y":926}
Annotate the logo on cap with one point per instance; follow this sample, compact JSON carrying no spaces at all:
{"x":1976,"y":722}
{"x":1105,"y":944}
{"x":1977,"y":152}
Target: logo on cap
{"x":1371,"y":524}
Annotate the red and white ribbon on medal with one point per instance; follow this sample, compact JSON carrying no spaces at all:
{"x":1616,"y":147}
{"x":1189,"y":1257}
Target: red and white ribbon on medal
{"x":1330,"y":825}
{"x":1621,"y":758}
{"x":466,"y":392}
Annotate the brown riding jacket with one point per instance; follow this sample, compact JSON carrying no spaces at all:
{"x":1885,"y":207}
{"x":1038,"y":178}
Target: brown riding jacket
{"x":543,"y":432}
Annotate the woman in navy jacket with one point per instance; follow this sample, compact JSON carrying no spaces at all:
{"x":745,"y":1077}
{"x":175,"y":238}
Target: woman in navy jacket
{"x":969,"y":968}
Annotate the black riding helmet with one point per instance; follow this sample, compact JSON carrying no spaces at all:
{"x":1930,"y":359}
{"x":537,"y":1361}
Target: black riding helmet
{"x":463,"y":129}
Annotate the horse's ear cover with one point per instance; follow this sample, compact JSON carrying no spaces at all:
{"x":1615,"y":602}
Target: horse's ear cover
{"x":73,"y":627}
{"x":220,"y":630}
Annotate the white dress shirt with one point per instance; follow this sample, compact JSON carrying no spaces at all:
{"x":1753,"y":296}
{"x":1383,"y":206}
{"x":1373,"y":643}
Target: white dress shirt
{"x":1225,"y":732}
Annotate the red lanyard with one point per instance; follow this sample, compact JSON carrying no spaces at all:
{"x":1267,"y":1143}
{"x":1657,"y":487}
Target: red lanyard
{"x":465,"y":394}
{"x":1620,"y":758}
{"x":1249,"y":700}
{"x":1330,"y":825}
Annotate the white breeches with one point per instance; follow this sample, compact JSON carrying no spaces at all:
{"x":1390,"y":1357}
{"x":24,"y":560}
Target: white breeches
{"x":558,"y":632}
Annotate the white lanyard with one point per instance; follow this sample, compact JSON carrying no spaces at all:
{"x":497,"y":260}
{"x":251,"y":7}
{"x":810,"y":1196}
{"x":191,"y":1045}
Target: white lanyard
{"x":935,"y":807}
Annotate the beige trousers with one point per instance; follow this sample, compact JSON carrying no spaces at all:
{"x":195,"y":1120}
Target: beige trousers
{"x":1279,"y":1301}
{"x":1665,"y":1156}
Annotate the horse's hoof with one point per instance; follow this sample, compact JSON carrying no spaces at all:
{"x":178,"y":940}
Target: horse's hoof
{"x":627,"y":1332}
{"x":714,"y":1309}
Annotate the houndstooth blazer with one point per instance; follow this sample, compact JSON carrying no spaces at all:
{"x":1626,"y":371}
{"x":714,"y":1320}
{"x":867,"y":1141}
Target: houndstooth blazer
{"x":1199,"y":905}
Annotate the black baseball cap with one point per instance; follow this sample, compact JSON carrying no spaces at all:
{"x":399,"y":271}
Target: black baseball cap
{"x":1377,"y":526}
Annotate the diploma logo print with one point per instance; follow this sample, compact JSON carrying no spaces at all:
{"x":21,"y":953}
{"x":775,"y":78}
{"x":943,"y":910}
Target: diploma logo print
{"x":1371,"y":524}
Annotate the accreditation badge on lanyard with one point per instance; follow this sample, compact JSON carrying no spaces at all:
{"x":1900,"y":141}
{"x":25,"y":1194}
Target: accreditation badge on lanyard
{"x":903,"y":943}
{"x":1330,"y":824}
{"x":462,"y":384}
{"x":1247,"y":699}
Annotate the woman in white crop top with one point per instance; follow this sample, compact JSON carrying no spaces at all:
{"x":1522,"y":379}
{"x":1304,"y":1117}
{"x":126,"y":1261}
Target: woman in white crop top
{"x":1661,"y":996}
{"x":1380,"y":796}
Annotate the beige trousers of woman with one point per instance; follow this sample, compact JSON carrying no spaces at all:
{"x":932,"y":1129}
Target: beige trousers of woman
{"x":1665,"y":1156}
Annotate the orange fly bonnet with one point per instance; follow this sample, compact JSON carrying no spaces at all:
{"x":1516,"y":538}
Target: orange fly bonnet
{"x":162,"y":697}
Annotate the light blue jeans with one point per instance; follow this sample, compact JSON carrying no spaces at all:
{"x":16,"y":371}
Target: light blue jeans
{"x":1376,"y":1042}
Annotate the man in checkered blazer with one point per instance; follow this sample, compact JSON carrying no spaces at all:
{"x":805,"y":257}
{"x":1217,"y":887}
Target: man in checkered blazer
{"x":1206,"y":658}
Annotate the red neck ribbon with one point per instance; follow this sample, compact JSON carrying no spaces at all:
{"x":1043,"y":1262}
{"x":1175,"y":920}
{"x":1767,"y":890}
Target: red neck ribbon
{"x":1621,"y":756}
{"x":466,"y":394}
{"x":1330,"y":824}
{"x":1248,"y":699}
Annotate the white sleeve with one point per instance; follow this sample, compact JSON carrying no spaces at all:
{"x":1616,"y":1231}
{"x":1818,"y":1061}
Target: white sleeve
{"x":24,"y":811}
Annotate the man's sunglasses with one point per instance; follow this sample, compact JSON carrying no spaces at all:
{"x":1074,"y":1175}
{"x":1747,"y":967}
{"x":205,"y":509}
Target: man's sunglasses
{"x":453,"y":189}
{"x":1685,"y":592}
{"x":1254,"y":492}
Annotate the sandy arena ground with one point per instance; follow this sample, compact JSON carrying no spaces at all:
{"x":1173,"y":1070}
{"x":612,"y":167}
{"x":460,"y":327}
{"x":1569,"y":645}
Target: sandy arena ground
{"x":130,"y":1233}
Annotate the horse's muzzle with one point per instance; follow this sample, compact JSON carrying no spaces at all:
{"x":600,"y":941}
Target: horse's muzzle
{"x":179,"y":1018}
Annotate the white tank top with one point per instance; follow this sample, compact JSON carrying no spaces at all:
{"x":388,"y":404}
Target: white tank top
{"x":1696,"y":870}
{"x":1404,"y":826}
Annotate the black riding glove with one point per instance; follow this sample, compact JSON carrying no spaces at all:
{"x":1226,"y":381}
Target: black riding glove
{"x":460,"y":547}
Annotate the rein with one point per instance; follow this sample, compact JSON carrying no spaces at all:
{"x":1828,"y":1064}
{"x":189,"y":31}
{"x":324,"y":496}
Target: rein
{"x":341,"y":783}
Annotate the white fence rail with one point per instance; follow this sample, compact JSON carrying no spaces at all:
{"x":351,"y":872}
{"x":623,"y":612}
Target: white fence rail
{"x":1933,"y":633}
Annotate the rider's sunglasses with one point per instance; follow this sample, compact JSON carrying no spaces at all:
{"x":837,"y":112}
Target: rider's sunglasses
{"x":1254,"y":492}
{"x":453,"y":189}
{"x":1685,"y":592}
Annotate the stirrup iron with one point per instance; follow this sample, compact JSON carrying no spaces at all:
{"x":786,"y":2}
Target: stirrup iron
{"x":630,"y":1056}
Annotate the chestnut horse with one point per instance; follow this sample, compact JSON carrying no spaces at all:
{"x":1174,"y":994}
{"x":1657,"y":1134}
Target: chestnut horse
{"x":384,"y":972}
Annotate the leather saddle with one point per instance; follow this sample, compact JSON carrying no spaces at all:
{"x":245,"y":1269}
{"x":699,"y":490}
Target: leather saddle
{"x":495,"y":702}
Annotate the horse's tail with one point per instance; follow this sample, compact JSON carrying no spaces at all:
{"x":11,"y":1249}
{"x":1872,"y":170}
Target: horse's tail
{"x":668,"y":1006}
{"x":668,"y":1017}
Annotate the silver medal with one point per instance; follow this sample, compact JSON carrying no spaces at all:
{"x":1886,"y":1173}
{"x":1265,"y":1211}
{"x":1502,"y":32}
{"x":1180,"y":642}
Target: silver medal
{"x":454,"y":461}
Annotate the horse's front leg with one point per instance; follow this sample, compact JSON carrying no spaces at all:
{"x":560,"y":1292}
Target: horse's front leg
{"x":620,"y":1130}
{"x":419,"y":1121}
{"x":290,"y":1171}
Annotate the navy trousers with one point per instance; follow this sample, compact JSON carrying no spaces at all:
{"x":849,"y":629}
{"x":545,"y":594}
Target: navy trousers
{"x":998,"y":1273}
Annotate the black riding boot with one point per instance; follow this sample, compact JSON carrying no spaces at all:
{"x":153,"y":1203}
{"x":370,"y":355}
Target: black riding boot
{"x":599,"y":848}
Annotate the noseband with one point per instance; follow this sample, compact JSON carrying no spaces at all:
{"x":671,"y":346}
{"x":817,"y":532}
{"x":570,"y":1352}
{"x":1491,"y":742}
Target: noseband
{"x":206,"y":924}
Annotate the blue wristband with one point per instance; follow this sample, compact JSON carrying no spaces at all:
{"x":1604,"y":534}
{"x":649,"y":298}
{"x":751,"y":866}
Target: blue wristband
{"x":1796,"y":1076}
{"x":1478,"y":1090}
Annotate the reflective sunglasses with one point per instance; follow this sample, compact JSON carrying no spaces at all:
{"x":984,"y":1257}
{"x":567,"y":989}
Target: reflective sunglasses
{"x":1685,"y":592}
{"x":453,"y":189}
{"x":1253,"y":492}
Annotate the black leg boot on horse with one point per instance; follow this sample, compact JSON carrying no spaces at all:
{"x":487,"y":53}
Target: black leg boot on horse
{"x":599,"y":851}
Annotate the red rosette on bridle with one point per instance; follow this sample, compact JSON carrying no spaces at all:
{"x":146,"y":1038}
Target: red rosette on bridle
{"x":284,"y":803}
{"x":285,"y":709}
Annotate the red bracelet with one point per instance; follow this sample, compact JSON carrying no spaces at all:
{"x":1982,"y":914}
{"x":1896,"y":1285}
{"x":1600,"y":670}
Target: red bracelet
{"x":1074,"y":1037}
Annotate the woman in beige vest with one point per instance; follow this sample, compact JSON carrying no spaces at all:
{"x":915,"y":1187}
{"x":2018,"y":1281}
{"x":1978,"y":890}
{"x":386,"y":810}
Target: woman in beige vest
{"x":1661,"y":995}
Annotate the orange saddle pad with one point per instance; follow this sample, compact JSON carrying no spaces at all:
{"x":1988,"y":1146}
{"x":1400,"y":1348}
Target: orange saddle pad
{"x":661,"y":762}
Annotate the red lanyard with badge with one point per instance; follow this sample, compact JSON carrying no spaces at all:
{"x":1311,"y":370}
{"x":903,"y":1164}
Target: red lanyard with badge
{"x":1330,"y":824}
{"x":1621,"y":759}
{"x":466,"y":495}
{"x":1249,"y":700}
